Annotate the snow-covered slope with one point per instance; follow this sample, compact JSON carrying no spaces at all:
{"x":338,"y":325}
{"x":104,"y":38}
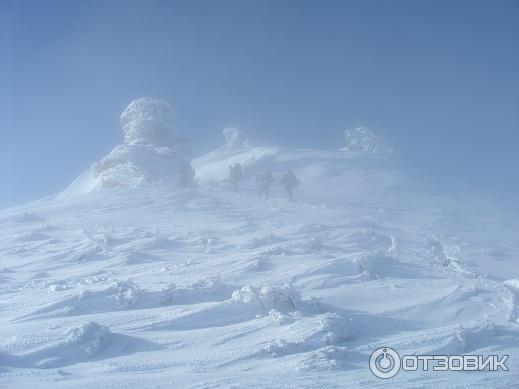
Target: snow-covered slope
{"x":155,"y":285}
{"x":162,"y":287}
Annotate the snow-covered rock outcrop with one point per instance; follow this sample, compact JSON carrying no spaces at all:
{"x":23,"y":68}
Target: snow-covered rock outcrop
{"x":233,"y":138}
{"x":151,"y":151}
{"x":365,"y":140}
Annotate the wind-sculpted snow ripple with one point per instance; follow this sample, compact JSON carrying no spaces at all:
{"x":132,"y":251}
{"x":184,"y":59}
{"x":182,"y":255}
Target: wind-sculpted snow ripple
{"x":84,"y":342}
{"x":126,"y":295}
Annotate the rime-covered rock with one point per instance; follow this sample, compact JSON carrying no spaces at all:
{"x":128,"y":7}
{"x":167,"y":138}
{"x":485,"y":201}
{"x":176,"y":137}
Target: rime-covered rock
{"x":151,"y":151}
{"x":365,"y":140}
{"x":148,"y":120}
{"x":233,"y":138}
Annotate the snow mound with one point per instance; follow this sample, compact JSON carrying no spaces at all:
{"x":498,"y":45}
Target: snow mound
{"x":309,"y":334}
{"x":364,"y":140}
{"x":331,"y":329}
{"x":280,"y":298}
{"x":86,"y":341}
{"x":119,"y":295}
{"x":125,"y":294}
{"x":208,"y":289}
{"x":89,"y":335}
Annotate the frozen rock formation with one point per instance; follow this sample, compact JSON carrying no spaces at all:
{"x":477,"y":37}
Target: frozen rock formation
{"x":364,"y":140}
{"x":151,"y":151}
{"x":148,"y":120}
{"x":233,"y":138}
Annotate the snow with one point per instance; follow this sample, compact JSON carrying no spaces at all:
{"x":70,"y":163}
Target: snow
{"x":127,"y":279}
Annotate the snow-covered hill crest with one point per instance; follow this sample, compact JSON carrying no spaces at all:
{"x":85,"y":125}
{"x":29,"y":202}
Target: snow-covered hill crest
{"x":152,"y":152}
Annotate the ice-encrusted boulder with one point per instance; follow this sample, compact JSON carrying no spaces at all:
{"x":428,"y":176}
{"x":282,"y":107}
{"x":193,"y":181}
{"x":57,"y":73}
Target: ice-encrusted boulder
{"x":148,"y":120}
{"x":233,"y":138}
{"x":365,"y":140}
{"x":151,"y":151}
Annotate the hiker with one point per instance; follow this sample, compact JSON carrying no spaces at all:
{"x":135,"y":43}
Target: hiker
{"x":235,"y":175}
{"x":266,"y":183}
{"x":290,"y":182}
{"x":187,"y":175}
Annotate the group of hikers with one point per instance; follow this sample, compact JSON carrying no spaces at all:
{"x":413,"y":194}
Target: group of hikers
{"x":186,"y":175}
{"x":266,"y":179}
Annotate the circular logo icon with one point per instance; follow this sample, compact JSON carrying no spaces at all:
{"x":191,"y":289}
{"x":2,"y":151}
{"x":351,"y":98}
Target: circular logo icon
{"x":384,"y":362}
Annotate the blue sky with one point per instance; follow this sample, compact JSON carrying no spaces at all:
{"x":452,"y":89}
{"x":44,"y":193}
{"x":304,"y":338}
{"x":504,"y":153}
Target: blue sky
{"x":440,"y":79}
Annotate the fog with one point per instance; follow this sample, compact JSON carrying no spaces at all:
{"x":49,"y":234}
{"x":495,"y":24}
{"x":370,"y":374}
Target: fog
{"x":439,"y":80}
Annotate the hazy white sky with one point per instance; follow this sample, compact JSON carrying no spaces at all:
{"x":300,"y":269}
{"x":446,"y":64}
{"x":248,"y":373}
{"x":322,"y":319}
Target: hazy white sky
{"x":438,"y":78}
